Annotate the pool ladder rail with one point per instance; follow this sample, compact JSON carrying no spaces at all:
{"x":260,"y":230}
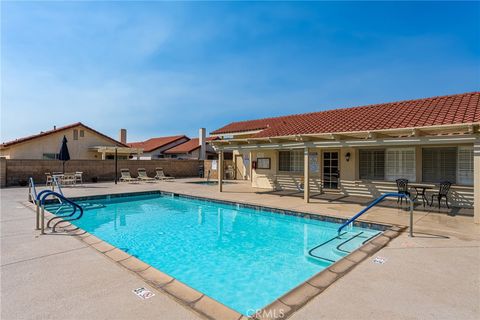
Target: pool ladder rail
{"x":337,"y":249}
{"x":40,"y":198}
{"x":377,"y":201}
{"x":350,"y":222}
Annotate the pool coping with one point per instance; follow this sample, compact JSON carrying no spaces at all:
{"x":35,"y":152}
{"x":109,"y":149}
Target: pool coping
{"x":282,"y":308}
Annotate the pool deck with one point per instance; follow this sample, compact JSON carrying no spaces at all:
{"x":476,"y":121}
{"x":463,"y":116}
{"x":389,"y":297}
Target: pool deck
{"x":59,"y":277}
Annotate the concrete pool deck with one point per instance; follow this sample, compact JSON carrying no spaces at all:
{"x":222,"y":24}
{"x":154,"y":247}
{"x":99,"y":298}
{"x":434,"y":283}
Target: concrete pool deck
{"x":428,"y":276}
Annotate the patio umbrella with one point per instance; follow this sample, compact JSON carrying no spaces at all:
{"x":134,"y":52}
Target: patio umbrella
{"x":64,"y":155}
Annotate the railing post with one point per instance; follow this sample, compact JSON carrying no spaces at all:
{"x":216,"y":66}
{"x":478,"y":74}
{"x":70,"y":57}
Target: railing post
{"x":42,"y":220}
{"x":29,"y":191}
{"x":37,"y":222}
{"x":411,"y":215}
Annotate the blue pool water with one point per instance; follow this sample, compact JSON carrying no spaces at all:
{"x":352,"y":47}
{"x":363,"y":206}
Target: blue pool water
{"x":242,"y":257}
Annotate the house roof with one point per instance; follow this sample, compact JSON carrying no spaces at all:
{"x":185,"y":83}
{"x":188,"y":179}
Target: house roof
{"x":445,"y":110}
{"x":189,"y":146}
{"x":155,"y":143}
{"x":49,"y":132}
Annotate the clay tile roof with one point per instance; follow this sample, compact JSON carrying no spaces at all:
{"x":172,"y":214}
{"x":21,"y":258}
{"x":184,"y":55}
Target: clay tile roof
{"x":445,"y":110}
{"x":188,"y":146}
{"x":46,"y":133}
{"x":155,"y":143}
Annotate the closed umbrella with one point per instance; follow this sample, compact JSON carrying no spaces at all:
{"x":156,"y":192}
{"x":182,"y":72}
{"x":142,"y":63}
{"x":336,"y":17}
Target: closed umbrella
{"x":64,"y":155}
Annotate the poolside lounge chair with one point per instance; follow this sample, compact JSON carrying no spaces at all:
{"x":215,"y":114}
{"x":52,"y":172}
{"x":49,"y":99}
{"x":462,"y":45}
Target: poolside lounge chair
{"x":126,"y":177}
{"x":142,"y":175}
{"x":161,"y":175}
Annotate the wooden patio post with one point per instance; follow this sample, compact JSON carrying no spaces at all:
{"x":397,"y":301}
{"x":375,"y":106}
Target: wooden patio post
{"x":306,"y":176}
{"x":250,"y":166}
{"x":476,"y":182}
{"x":220,"y":171}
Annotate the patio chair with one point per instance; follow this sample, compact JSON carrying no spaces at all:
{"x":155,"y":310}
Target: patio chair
{"x":69,"y":178}
{"x":142,"y":175}
{"x":442,"y":193}
{"x":79,"y":177}
{"x":126,"y":177}
{"x":49,"y":180}
{"x":161,"y":175}
{"x":402,"y":187}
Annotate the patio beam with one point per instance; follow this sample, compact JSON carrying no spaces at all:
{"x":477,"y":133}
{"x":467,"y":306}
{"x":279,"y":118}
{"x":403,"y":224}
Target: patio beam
{"x":359,"y":142}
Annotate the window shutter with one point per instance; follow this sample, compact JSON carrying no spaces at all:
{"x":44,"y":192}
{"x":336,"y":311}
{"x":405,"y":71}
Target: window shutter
{"x":291,"y":161}
{"x":400,"y":163}
{"x":465,"y":166}
{"x":439,"y":164}
{"x":372,"y":164}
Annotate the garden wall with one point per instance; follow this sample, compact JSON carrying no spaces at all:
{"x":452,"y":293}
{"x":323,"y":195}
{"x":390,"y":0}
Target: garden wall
{"x":15,"y":171}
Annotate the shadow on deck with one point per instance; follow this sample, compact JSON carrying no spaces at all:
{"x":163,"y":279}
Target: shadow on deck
{"x":337,"y":198}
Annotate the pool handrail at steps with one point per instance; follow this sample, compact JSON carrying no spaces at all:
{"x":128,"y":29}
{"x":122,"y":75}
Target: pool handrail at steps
{"x":42,"y":196}
{"x":32,"y":190}
{"x":374,"y":203}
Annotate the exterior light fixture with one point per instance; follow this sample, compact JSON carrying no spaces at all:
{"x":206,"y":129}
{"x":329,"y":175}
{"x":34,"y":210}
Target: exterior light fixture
{"x":347,"y":156}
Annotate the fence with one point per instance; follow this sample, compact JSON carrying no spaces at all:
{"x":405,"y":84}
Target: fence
{"x":15,"y":172}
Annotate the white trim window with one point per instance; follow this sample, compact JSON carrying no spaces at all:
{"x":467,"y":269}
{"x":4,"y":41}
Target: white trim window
{"x":291,"y":161}
{"x":439,"y":164}
{"x":400,"y":163}
{"x":465,"y":165}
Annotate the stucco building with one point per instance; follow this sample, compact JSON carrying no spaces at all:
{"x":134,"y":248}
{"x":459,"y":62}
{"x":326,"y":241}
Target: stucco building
{"x":361,"y":151}
{"x":83,"y":143}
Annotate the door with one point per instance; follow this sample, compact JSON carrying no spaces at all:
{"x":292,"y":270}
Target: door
{"x":331,"y":174}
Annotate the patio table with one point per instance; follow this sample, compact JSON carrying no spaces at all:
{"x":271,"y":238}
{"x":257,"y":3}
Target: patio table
{"x":420,"y":190}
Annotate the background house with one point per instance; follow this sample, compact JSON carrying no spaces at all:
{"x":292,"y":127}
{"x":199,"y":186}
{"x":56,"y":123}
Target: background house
{"x":83,"y":143}
{"x":191,"y":150}
{"x":154,"y":148}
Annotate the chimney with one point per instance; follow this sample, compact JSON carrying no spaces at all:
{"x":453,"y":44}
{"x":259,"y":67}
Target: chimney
{"x":202,"y":143}
{"x":123,"y":136}
{"x":54,"y":127}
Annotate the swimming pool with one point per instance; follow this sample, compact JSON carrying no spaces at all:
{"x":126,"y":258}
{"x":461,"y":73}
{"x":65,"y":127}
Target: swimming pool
{"x":242,"y":257}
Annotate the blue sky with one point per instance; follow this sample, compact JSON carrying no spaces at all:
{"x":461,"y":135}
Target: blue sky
{"x":169,"y":68}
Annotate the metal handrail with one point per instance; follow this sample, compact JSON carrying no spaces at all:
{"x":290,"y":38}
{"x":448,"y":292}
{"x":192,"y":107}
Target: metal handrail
{"x":75,"y":206}
{"x":32,"y":190}
{"x":374,"y":203}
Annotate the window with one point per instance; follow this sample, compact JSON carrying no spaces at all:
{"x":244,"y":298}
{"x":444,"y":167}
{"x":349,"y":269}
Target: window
{"x":465,"y":165}
{"x":82,"y":133}
{"x":372,"y":164}
{"x":50,"y":156}
{"x":400,"y":163}
{"x":439,"y":164}
{"x":263,"y":163}
{"x":75,"y":134}
{"x":291,"y":161}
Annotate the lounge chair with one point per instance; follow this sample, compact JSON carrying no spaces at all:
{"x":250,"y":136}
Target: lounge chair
{"x":161,"y":175}
{"x":142,"y":175}
{"x":126,"y":177}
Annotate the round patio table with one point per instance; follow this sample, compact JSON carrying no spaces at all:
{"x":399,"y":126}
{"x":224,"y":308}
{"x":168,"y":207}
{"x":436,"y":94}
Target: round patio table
{"x":420,"y":190}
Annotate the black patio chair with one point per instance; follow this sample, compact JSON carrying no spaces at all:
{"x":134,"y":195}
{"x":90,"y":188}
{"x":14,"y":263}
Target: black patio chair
{"x":402,"y":186}
{"x":442,"y":193}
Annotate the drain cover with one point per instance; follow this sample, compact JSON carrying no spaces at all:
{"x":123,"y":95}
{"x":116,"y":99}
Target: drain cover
{"x":379,"y":260}
{"x":143,"y":293}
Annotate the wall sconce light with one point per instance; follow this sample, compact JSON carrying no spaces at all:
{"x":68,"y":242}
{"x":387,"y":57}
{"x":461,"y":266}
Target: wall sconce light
{"x":347,"y":156}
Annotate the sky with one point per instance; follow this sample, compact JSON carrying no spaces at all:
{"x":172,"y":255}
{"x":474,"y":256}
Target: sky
{"x":167,"y":68}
